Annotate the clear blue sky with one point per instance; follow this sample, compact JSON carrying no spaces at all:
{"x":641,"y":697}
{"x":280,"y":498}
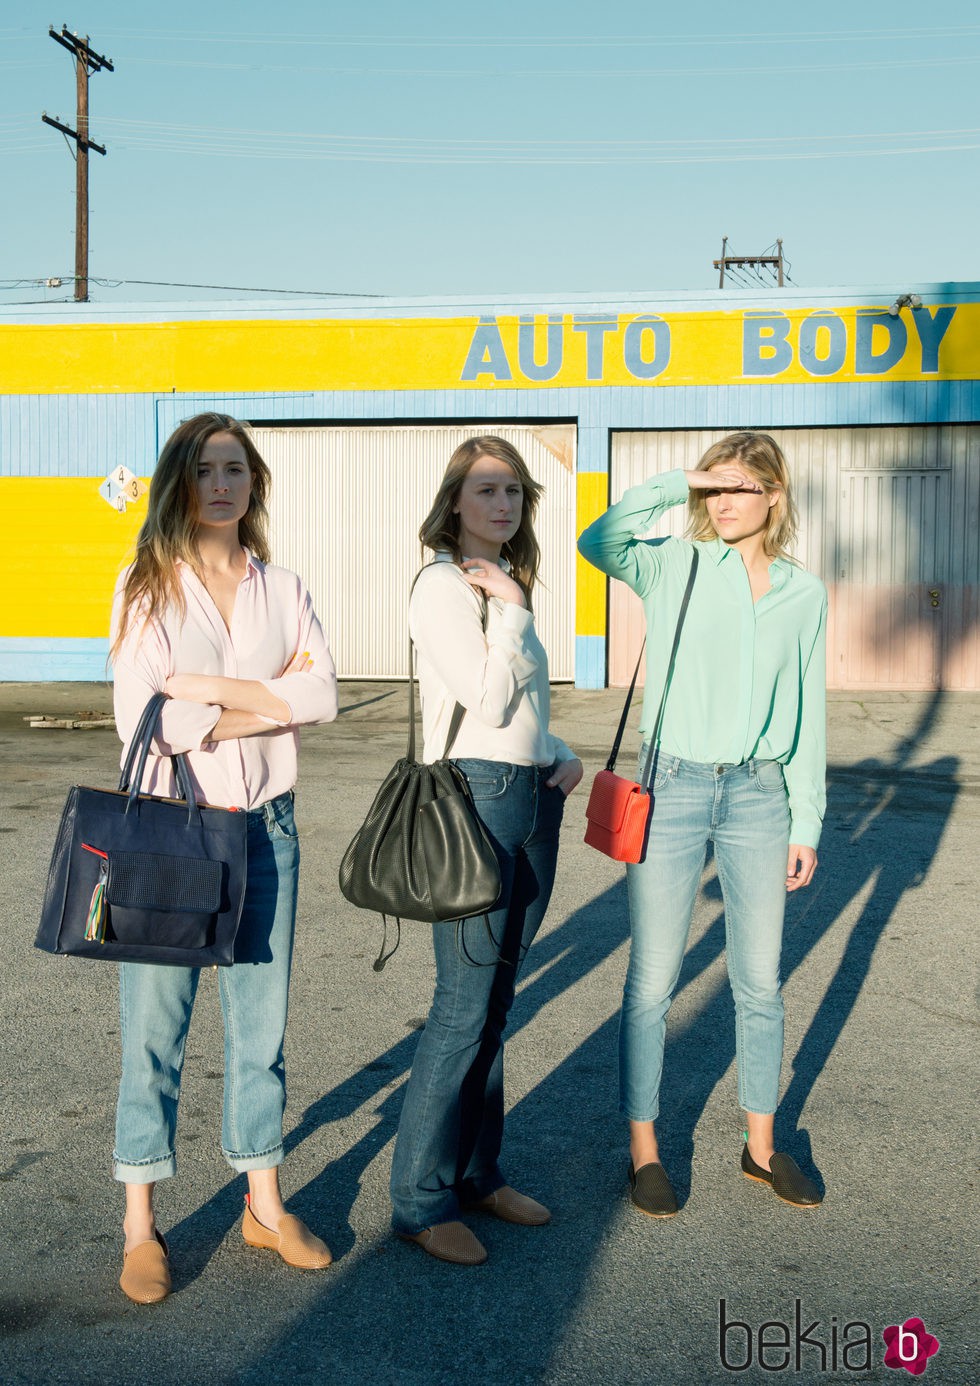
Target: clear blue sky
{"x":544,"y":146}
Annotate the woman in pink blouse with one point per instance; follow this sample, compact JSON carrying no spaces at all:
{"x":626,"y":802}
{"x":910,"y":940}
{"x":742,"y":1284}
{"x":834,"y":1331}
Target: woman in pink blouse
{"x":202,"y":616}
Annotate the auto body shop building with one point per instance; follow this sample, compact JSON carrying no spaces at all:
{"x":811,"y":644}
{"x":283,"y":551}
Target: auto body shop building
{"x":874,"y":396}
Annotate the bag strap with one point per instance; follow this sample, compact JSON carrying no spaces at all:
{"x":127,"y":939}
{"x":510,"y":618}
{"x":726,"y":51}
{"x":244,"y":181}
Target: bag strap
{"x":655,"y":735}
{"x":149,"y":714}
{"x":137,"y":754}
{"x":459,"y":711}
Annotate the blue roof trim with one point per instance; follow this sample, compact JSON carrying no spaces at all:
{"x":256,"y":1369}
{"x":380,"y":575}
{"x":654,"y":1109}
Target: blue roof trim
{"x":448,"y":305}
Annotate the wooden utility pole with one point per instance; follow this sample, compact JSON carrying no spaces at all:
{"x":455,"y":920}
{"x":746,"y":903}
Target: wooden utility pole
{"x":85,"y":58}
{"x":750,"y":262}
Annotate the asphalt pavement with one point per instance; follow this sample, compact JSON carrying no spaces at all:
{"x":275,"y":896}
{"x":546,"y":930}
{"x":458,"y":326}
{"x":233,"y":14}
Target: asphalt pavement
{"x":879,"y":1092}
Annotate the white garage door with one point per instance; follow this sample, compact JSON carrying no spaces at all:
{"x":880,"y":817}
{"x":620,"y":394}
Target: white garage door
{"x":346,"y":508}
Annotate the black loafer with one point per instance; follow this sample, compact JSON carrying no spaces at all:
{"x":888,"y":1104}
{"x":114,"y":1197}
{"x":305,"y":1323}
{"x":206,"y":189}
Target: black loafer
{"x":786,"y":1179}
{"x":651,"y":1192}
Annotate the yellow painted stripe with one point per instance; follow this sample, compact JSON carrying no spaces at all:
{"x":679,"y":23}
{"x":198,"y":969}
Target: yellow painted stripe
{"x":592,"y":498}
{"x":431,"y":353}
{"x":61,"y":549}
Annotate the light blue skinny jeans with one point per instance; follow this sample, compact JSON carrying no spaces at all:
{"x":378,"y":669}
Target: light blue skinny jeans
{"x":743,"y":811}
{"x":155,"y":1005}
{"x":452,"y":1119}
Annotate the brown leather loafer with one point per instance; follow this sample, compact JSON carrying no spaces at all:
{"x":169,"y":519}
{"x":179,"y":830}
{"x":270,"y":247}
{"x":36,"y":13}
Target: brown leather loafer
{"x":145,"y":1276}
{"x":293,"y":1240}
{"x":449,"y":1241}
{"x":785,"y":1178}
{"x":510,"y":1206}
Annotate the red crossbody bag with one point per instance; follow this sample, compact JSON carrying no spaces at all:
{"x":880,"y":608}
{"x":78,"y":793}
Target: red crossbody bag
{"x":618,"y":811}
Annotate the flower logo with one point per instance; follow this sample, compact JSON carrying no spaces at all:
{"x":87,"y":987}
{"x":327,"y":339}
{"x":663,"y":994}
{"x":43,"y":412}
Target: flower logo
{"x":909,"y":1346}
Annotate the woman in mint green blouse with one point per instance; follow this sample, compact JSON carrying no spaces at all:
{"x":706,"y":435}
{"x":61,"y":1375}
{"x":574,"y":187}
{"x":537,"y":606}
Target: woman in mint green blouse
{"x":740,"y":763}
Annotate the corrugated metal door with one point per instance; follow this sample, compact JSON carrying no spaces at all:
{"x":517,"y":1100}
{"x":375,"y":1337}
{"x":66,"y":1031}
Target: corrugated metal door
{"x":889,"y":520}
{"x":891,"y":580}
{"x":347,"y":503}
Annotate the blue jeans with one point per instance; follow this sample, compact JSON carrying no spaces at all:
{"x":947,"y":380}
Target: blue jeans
{"x":155,"y":1006}
{"x":452,"y":1119}
{"x":743,"y":810}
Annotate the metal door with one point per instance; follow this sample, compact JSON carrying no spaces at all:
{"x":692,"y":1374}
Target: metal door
{"x":891,"y":581}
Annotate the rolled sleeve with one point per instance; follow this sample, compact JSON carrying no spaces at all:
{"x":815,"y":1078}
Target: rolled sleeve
{"x":562,"y":751}
{"x":312,"y":696}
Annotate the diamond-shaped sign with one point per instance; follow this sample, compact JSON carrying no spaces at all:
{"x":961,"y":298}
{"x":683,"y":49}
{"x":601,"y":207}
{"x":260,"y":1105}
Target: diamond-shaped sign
{"x":120,"y":488}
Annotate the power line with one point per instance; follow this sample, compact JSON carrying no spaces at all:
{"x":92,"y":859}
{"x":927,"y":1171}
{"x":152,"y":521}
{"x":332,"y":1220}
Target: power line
{"x":540,"y":74}
{"x":107,"y":282}
{"x":550,"y":42}
{"x":239,"y":288}
{"x":235,"y":142}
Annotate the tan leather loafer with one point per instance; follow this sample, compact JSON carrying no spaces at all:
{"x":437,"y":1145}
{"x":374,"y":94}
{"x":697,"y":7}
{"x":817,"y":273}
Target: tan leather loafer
{"x":145,"y":1277}
{"x":449,"y":1241}
{"x":293,"y":1240}
{"x":510,"y":1206}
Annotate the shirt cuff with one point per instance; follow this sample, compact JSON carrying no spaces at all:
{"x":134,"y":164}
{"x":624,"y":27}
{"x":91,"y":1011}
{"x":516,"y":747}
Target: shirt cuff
{"x":673,"y":486}
{"x":516,"y":618}
{"x":310,"y":698}
{"x":805,"y":832}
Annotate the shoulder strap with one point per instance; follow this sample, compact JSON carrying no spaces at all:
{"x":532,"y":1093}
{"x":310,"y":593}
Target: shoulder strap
{"x":655,"y":734}
{"x":459,"y":711}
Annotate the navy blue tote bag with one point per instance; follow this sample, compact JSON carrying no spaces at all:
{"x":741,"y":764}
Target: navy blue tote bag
{"x":136,"y":878}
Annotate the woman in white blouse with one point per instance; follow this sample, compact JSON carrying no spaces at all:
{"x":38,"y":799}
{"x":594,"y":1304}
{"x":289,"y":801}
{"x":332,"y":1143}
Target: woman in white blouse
{"x":470,"y":617}
{"x":202,"y":616}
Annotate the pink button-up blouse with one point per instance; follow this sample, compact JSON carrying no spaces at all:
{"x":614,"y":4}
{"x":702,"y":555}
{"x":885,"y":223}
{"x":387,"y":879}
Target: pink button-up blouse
{"x":273,"y":620}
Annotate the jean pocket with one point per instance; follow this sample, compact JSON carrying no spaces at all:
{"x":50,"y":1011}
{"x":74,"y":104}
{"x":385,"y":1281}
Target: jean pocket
{"x":664,"y":768}
{"x":485,"y":779}
{"x":282,"y":825}
{"x":769,"y":776}
{"x":484,"y":786}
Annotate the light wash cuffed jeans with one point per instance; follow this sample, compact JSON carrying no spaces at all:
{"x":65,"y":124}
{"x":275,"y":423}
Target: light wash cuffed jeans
{"x":155,"y":1006}
{"x":743,"y":810}
{"x":452,"y":1120}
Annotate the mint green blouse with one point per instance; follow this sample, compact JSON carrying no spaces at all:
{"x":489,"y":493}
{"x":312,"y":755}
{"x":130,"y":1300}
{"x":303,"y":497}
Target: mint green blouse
{"x":750,"y":677}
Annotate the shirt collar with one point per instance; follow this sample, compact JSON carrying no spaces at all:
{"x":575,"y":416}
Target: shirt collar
{"x":443,"y":556}
{"x":252,"y":564}
{"x":780,"y":570}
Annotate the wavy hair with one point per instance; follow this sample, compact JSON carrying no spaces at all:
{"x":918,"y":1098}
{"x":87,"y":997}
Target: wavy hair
{"x":761,"y":456}
{"x":440,"y":528}
{"x":169,"y":532}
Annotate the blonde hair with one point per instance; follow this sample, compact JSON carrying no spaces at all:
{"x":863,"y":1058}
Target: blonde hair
{"x":440,"y":528}
{"x":761,"y":456}
{"x":169,"y":532}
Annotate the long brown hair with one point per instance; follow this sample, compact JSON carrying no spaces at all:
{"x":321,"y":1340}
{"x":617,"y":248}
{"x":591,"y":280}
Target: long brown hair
{"x":440,"y":528}
{"x":762,"y":457}
{"x":169,"y":532}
